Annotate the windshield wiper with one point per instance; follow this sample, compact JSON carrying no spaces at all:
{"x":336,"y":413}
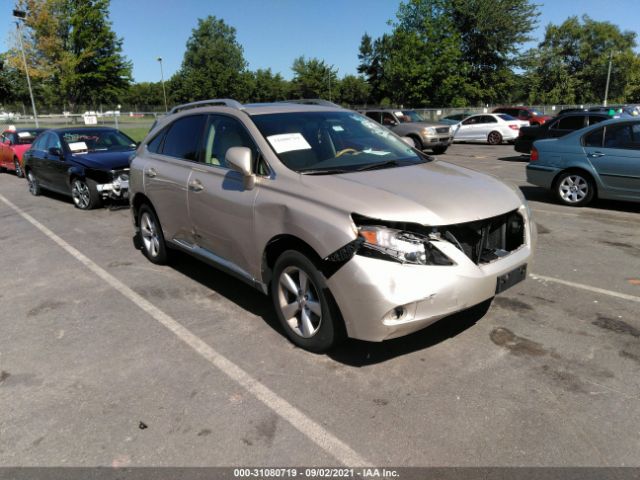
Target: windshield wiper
{"x":323,"y":171}
{"x":376,"y":166}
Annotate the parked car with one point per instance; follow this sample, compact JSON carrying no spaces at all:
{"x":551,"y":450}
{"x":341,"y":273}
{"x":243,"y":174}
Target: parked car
{"x":454,"y":119}
{"x":13,"y":143}
{"x":524,"y":113}
{"x":557,"y":127}
{"x":89,"y":164}
{"x":421,"y":134}
{"x":601,"y":161}
{"x":488,"y":128}
{"x":351,"y":231}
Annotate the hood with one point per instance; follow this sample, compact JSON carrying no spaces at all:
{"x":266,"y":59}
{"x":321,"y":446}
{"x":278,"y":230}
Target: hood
{"x":434,"y":193}
{"x":104,"y":160}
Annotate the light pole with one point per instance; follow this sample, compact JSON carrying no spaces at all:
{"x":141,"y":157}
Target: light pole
{"x":20,"y":15}
{"x":606,"y":88}
{"x":164,"y":92}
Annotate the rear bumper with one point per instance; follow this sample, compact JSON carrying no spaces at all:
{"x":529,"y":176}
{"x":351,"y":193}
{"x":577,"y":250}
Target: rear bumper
{"x":523,"y":145}
{"x":541,"y":175}
{"x":370,"y":292}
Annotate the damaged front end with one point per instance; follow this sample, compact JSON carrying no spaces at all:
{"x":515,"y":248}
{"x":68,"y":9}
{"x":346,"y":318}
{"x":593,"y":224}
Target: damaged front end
{"x":118,"y":187}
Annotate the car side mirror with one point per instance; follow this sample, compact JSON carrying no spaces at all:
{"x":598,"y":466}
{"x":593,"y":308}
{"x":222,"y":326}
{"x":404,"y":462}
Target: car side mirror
{"x":56,"y":152}
{"x":239,"y":159}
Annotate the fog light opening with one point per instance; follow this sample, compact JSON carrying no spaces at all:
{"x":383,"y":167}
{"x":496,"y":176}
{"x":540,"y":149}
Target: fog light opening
{"x":397,"y":313}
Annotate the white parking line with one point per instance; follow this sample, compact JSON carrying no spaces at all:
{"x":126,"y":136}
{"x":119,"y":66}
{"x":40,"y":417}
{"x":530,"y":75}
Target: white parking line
{"x":589,"y":288}
{"x":305,"y":425}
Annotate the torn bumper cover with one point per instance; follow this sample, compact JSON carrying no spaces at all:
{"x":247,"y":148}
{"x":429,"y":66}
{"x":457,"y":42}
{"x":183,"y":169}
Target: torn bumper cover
{"x":381,"y":298}
{"x":116,"y":189}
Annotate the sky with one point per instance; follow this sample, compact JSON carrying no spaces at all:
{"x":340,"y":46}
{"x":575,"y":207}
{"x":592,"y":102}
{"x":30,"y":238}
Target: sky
{"x":275,"y":32}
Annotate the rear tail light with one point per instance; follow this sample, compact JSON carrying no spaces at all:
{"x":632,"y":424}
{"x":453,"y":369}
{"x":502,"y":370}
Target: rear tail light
{"x":514,"y":126}
{"x":534,"y":154}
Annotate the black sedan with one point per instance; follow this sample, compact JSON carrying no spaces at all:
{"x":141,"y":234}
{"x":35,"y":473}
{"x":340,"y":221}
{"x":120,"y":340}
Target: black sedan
{"x":89,"y":164}
{"x":557,"y":127}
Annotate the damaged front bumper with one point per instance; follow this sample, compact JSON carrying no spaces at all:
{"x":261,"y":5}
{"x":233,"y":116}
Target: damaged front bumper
{"x":380,"y":299}
{"x":118,"y":189}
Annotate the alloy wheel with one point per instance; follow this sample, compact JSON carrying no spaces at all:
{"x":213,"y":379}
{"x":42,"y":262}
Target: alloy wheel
{"x":149,"y":232}
{"x":18,"y":168}
{"x":81,"y":195}
{"x":494,"y":138}
{"x":573,"y":188}
{"x":33,"y":183}
{"x":299,"y":302}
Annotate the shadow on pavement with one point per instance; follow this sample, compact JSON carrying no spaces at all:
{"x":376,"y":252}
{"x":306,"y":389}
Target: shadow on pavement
{"x":515,"y":158}
{"x":542,"y":195}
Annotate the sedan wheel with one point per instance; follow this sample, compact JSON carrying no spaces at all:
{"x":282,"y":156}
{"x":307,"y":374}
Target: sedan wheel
{"x":84,"y":193}
{"x":494,"y":138}
{"x":34,"y":186}
{"x":18,"y":168}
{"x":574,"y":189}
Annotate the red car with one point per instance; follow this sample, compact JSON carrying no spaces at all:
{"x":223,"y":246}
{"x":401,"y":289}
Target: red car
{"x":13,"y":143}
{"x":524,"y":113}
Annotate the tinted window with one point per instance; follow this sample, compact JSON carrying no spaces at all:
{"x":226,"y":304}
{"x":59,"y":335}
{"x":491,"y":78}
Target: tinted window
{"x":471,"y":121}
{"x":570,"y":123}
{"x":97,"y":140}
{"x":374,"y":116}
{"x":506,"y":117}
{"x":154,"y":145}
{"x":594,"y":139}
{"x":222,"y":134}
{"x":183,"y":137}
{"x":487,"y":119}
{"x":388,"y":119}
{"x":25,"y":137}
{"x":593,"y":119}
{"x":622,"y":136}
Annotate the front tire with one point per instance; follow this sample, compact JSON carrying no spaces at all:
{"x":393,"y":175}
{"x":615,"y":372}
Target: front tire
{"x":151,"y":236}
{"x":85,"y":194}
{"x":494,"y":138}
{"x":303,"y":303}
{"x":574,"y":189}
{"x":439,"y":150}
{"x":18,"y":168}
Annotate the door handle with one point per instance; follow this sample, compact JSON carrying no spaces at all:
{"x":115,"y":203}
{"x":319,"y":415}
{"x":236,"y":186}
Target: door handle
{"x":596,"y":154}
{"x":151,"y":172}
{"x":196,"y":186}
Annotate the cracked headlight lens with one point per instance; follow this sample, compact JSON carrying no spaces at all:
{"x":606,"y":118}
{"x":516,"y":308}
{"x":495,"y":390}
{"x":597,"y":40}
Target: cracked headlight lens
{"x":405,"y":247}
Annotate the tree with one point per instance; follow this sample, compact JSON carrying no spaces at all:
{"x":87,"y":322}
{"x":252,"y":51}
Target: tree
{"x":73,"y":49}
{"x":213,"y":65}
{"x":268,"y":87}
{"x":313,"y":78}
{"x":570,"y":65}
{"x":353,"y":90}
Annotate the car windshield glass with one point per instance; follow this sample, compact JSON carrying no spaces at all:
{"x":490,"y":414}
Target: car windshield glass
{"x":26,"y":137}
{"x":406,"y":116}
{"x":506,"y":117}
{"x":97,"y":141}
{"x":333,"y":142}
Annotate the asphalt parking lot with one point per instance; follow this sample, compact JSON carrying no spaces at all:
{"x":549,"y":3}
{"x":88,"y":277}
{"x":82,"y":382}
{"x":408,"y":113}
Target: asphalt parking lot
{"x":107,"y":359}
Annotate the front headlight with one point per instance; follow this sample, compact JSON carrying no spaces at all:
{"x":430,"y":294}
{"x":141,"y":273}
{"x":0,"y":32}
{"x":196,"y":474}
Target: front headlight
{"x":429,"y":130}
{"x":401,"y":246}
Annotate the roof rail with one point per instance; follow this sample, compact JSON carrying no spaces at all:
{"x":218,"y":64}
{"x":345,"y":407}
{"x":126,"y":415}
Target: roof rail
{"x":227,"y":102}
{"x":312,"y":101}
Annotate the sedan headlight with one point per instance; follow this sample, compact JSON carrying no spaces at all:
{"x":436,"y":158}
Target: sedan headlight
{"x":401,"y":246}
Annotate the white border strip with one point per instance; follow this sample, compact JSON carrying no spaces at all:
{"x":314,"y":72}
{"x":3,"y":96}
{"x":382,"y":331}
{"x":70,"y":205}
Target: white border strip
{"x":305,"y":425}
{"x":589,"y":288}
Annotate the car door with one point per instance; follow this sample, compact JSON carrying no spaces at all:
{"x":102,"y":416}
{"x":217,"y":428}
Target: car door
{"x":41,"y":160}
{"x":171,"y":155}
{"x":220,"y":208}
{"x":57,"y":167}
{"x":486,"y":124}
{"x":617,"y":159}
{"x":465,"y":128}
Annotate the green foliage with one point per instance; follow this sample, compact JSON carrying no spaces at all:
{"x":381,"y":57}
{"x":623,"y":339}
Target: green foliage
{"x":267,"y":87}
{"x":570,"y":65}
{"x":353,"y":90}
{"x":313,"y":78}
{"x":213,"y":65}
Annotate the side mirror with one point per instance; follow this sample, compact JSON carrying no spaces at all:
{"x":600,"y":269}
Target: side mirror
{"x":239,"y":159}
{"x":56,"y":152}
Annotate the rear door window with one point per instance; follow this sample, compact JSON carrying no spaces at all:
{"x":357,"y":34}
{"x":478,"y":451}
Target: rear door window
{"x":593,"y":119}
{"x":184,"y":137}
{"x":573,"y":122}
{"x":593,"y":139}
{"x":621,"y":136}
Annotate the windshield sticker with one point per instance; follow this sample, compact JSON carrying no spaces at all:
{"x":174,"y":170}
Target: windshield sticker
{"x":338,"y":128}
{"x":399,"y":114}
{"x":24,"y":134}
{"x":77,"y":146}
{"x":287,"y":142}
{"x":380,"y":153}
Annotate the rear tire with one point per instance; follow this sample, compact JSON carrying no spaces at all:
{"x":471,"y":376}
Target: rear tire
{"x":574,"y":189}
{"x":18,"y":168}
{"x":304,"y":305}
{"x":494,"y":138}
{"x":151,"y":237}
{"x":32,"y":182}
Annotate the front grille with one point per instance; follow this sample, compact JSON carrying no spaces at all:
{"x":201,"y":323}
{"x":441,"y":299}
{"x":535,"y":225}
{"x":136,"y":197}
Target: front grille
{"x":442,"y":130}
{"x":486,"y":240}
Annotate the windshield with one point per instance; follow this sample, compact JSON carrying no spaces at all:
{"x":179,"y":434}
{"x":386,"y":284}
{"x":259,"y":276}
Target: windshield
{"x":26,"y":137}
{"x":97,"y":141}
{"x":333,"y":142}
{"x":406,"y":116}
